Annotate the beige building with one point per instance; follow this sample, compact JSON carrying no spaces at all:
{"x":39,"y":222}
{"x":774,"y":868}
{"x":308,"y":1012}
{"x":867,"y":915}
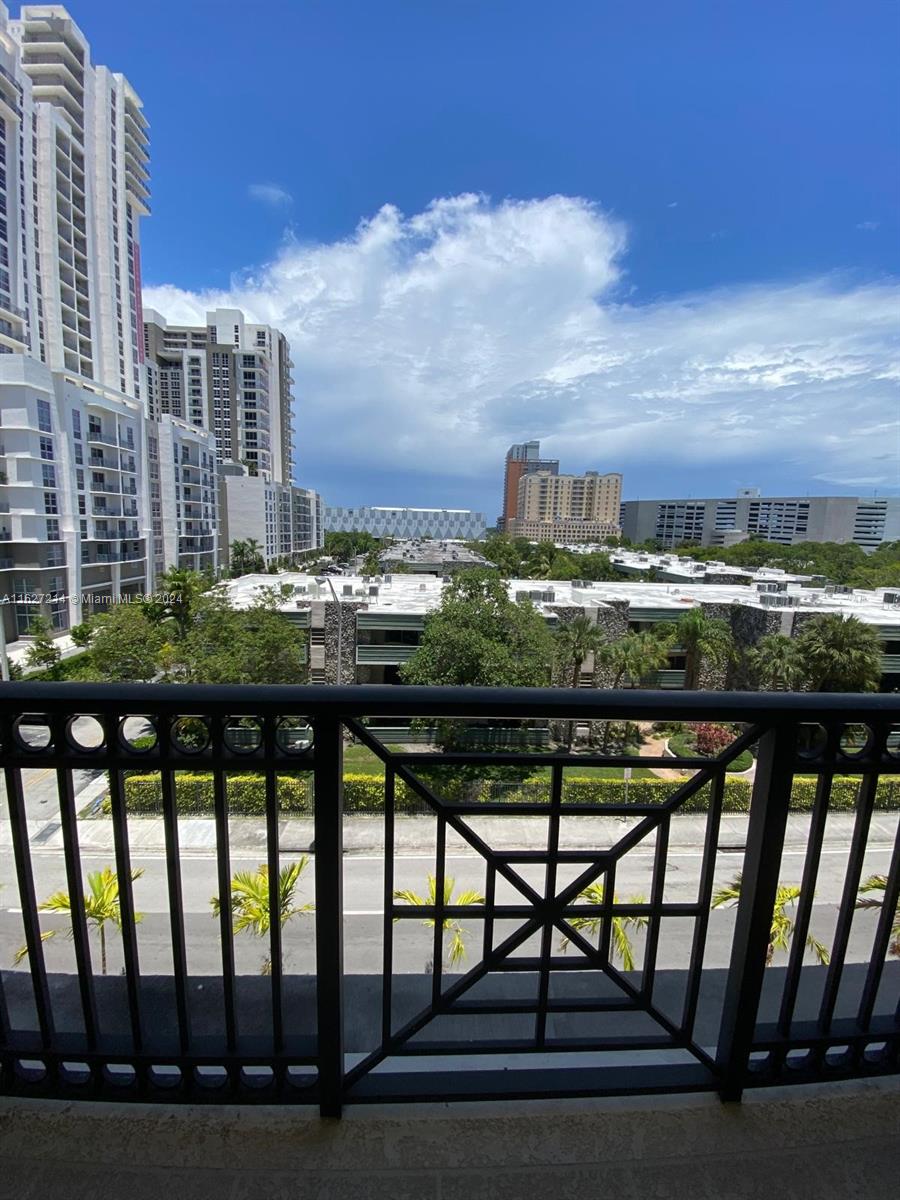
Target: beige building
{"x":567,"y":507}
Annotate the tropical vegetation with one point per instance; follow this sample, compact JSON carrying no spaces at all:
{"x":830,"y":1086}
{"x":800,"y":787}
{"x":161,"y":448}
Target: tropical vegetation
{"x":102,"y":906}
{"x":783,"y":926}
{"x":249,"y":901}
{"x":621,"y":947}
{"x":456,"y":950}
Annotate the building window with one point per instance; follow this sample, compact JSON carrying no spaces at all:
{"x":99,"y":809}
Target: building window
{"x":47,"y":447}
{"x":43,"y":415}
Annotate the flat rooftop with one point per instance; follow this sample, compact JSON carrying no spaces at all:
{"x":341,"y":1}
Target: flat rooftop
{"x":412,"y":593}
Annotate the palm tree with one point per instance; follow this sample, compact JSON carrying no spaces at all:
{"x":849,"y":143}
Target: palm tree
{"x":783,"y":927}
{"x":575,"y":640}
{"x":840,"y":654}
{"x":101,"y":904}
{"x":540,"y":564}
{"x":635,"y":656}
{"x":705,"y":640}
{"x":620,"y":943}
{"x":451,"y":925}
{"x":250,"y":901}
{"x":255,"y":559}
{"x":777,"y":663}
{"x":878,"y":883}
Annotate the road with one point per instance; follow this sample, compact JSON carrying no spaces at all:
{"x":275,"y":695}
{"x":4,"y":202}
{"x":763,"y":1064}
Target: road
{"x":363,"y":892}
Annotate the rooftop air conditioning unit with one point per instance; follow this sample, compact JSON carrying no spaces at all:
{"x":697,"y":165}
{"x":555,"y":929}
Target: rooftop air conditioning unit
{"x":548,"y":597}
{"x":892,"y":597}
{"x":445,"y":578}
{"x":347,"y":589}
{"x":373,"y":591}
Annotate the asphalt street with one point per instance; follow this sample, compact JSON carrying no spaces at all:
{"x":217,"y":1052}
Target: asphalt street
{"x":364,"y":898}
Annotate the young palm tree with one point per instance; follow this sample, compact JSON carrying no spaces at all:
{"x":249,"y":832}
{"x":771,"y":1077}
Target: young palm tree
{"x":620,"y":943}
{"x":777,"y":663}
{"x":840,"y":655}
{"x":705,"y":639}
{"x":249,"y":901}
{"x":101,"y":905}
{"x":783,"y":927}
{"x":457,"y":948}
{"x":878,"y":883}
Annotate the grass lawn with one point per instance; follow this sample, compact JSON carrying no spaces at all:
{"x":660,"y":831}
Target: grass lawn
{"x":682,"y":744}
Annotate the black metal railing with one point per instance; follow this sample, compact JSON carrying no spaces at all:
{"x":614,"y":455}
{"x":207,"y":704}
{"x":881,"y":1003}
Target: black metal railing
{"x":352,"y":1005}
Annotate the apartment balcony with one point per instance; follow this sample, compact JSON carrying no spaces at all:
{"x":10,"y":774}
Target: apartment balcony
{"x":361,"y":1004}
{"x":385,"y":654}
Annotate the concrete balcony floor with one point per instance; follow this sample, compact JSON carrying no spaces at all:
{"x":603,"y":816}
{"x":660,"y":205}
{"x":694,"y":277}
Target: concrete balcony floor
{"x":819,"y":1142}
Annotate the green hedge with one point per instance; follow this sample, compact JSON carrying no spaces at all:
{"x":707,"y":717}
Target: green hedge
{"x":365,"y":794}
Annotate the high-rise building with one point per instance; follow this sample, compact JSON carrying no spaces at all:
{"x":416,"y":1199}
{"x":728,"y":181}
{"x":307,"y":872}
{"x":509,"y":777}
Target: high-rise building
{"x":84,"y":132}
{"x":522,"y":458}
{"x":230,"y":381}
{"x":231,"y":377}
{"x":567,"y":508}
{"x":74,"y":485}
{"x":785,"y":519}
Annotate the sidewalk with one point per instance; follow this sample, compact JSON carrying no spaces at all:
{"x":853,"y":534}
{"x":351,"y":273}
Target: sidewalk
{"x":365,"y":834}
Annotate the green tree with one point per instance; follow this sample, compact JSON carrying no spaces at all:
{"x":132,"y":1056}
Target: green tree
{"x":177,"y":593}
{"x":620,"y":943}
{"x":776,"y":663}
{"x":245,"y":557}
{"x":574,"y":641}
{"x":102,"y":905}
{"x":840,"y":654}
{"x":451,"y":925}
{"x":371,"y":563}
{"x":479,"y":636}
{"x":783,"y":926}
{"x":253,"y":645}
{"x":81,"y":634}
{"x":249,"y":901}
{"x":126,"y":645}
{"x":636,"y":656}
{"x":705,"y":640}
{"x":878,"y":883}
{"x":43,"y":654}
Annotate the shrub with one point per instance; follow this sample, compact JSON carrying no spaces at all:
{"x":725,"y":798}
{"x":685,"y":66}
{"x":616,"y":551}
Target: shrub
{"x":365,"y":794}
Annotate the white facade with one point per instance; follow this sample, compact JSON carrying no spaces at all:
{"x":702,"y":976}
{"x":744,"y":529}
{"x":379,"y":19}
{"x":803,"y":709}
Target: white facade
{"x":230,"y":376}
{"x":88,"y":145}
{"x":407,"y":522}
{"x":283,"y":520}
{"x":184,"y":496}
{"x":74,"y":487}
{"x":74,"y":523}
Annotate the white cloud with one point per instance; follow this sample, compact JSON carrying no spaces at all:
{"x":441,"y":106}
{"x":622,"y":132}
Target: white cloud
{"x":271,"y":194}
{"x":868,"y":226}
{"x":429,"y":343}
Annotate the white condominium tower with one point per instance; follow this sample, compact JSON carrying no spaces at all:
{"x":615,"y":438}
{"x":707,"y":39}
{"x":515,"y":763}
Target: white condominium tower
{"x":230,"y":376}
{"x":233,"y":378}
{"x":74,"y":488}
{"x":85,"y":135}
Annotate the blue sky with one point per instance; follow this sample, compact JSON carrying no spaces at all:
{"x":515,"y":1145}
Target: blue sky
{"x":664,"y":238}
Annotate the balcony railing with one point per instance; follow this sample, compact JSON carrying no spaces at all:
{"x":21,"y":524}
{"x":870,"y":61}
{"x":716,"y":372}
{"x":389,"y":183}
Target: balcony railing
{"x":544,"y":1004}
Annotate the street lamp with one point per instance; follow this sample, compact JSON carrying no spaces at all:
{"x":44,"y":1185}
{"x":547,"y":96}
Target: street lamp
{"x":340,"y":619}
